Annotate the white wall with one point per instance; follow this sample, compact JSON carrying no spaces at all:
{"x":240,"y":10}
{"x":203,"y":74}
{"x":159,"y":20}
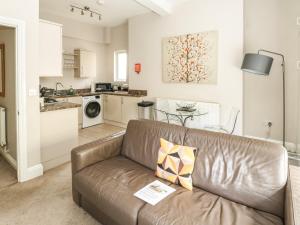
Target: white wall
{"x":69,"y":44}
{"x":119,"y":41}
{"x":84,"y":36}
{"x":78,"y":30}
{"x":7,"y":37}
{"x":145,"y":38}
{"x":271,"y":24}
{"x":16,"y":9}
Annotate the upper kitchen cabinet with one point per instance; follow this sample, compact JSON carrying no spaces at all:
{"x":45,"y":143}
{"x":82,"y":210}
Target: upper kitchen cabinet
{"x":85,"y":62}
{"x":50,"y":49}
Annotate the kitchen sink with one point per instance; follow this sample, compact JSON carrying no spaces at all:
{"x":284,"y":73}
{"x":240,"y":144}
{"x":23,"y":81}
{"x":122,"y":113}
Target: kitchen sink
{"x":49,"y":101}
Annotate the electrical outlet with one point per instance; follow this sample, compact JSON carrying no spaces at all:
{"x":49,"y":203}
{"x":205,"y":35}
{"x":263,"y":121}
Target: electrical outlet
{"x":298,"y":20}
{"x":268,"y":124}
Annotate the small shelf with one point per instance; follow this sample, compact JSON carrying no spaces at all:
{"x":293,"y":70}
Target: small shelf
{"x":69,"y":60}
{"x":69,"y":54}
{"x":70,"y":66}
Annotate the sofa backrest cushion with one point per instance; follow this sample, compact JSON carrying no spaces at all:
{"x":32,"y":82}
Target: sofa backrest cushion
{"x":248,"y":171}
{"x":142,"y":140}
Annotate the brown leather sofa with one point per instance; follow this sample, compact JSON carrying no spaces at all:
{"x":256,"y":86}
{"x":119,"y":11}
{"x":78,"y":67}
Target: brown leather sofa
{"x":237,"y":180}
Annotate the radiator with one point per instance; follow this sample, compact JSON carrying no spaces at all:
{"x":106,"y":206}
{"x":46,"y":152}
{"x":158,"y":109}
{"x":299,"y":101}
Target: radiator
{"x":212,"y":118}
{"x":2,"y":127}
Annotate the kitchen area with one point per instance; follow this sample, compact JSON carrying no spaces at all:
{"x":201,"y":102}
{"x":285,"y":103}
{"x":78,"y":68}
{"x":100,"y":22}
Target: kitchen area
{"x":79,"y":102}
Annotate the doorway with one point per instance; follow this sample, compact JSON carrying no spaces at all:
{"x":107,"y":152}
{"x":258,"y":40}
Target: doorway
{"x":20,"y":164}
{"x":8,"y":112}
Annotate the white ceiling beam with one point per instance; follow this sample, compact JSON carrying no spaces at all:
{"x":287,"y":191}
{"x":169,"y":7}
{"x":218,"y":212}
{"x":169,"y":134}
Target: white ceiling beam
{"x":159,"y":7}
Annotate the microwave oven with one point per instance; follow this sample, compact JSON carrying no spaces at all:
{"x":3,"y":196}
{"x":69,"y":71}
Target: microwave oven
{"x":103,"y":87}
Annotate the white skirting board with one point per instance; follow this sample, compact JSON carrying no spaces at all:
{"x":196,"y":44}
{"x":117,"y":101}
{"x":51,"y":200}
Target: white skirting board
{"x":33,"y":172}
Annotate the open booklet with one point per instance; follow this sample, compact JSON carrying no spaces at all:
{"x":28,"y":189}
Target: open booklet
{"x":154,"y":192}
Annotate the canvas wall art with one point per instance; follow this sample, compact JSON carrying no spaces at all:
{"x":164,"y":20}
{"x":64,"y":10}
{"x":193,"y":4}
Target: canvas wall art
{"x":191,"y":58}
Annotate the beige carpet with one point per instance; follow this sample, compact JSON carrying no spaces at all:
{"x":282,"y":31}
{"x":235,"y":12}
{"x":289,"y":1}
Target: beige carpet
{"x":47,"y":200}
{"x":43,"y":201}
{"x":8,"y":175}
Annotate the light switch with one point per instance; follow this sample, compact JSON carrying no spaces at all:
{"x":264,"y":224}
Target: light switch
{"x":32,"y":92}
{"x":298,"y":20}
{"x":298,"y":65}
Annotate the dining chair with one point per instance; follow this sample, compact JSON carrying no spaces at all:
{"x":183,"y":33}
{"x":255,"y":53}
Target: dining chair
{"x":229,"y":124}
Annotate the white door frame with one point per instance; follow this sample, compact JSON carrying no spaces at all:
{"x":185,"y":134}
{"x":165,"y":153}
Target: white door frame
{"x":20,"y":42}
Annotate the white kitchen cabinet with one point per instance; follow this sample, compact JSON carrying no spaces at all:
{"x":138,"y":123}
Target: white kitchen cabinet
{"x":112,"y":105}
{"x":129,"y":109}
{"x":59,"y":135}
{"x":50,"y":49}
{"x":78,"y":100}
{"x":85,"y":64}
{"x":120,"y":109}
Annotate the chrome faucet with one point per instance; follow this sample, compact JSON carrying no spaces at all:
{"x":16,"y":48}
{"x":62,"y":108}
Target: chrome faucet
{"x":58,"y":83}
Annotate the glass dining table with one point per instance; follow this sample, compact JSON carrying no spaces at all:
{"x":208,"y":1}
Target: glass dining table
{"x":181,"y":115}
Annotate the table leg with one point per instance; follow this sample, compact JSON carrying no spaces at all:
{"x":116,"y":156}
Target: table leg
{"x":185,"y":119}
{"x":167,"y":115}
{"x":181,"y":120}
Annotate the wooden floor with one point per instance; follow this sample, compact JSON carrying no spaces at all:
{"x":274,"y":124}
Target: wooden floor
{"x":94,"y":133}
{"x":8,"y":175}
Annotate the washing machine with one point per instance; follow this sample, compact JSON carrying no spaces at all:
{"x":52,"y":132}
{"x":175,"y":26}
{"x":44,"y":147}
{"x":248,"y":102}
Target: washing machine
{"x":92,"y":111}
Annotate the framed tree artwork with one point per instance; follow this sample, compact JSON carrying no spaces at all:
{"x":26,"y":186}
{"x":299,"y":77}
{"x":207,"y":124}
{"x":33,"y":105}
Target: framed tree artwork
{"x":191,"y":58}
{"x":2,"y":70}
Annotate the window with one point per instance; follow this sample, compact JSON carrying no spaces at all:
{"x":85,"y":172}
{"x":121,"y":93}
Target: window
{"x":120,"y":73}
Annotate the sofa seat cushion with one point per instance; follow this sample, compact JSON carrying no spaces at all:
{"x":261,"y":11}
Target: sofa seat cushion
{"x":199,"y":207}
{"x":110,"y":186}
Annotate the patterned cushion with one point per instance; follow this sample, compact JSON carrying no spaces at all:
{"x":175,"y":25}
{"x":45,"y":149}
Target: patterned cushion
{"x":176,"y":163}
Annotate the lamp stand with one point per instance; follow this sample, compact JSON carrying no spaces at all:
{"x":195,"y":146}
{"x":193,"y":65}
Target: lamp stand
{"x":283,"y":78}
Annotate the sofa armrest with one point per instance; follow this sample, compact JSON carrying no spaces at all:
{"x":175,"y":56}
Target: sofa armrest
{"x":292,"y":197}
{"x":96,"y":151}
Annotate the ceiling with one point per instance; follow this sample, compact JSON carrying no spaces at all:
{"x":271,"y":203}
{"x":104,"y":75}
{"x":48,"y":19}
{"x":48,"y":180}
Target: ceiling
{"x":114,"y":12}
{"x":175,"y":3}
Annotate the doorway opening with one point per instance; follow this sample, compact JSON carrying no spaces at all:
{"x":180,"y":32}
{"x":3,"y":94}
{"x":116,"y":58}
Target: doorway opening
{"x":8,"y":107}
{"x":21,"y":165}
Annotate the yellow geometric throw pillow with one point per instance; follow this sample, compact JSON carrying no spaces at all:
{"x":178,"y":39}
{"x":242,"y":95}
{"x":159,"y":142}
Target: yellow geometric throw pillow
{"x":176,"y":163}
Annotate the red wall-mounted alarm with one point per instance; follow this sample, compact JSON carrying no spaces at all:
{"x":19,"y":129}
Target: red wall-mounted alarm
{"x":137,"y":68}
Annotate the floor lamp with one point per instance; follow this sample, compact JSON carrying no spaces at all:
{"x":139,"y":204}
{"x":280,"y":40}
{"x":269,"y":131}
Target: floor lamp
{"x":261,"y":65}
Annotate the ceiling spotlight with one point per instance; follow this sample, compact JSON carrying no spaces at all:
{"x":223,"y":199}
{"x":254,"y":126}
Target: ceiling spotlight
{"x":86,"y":10}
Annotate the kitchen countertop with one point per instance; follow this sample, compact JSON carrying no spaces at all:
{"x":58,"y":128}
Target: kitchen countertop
{"x":72,"y":96}
{"x":126,"y":94}
{"x":59,"y":106}
{"x":131,"y":93}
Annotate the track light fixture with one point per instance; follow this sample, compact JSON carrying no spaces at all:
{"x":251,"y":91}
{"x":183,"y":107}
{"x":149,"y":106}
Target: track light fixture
{"x":86,"y":9}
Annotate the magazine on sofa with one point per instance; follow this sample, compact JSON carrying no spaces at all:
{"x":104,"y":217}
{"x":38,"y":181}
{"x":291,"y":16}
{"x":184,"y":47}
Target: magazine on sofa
{"x":154,"y":192}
